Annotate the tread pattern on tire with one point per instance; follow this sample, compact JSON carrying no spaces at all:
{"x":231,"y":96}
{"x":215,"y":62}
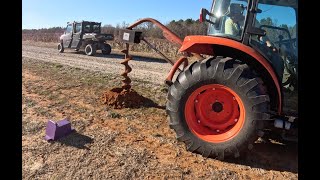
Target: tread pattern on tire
{"x":229,"y":72}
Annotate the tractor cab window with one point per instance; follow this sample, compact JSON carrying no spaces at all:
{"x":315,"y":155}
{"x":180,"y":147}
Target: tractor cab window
{"x":78,"y":27}
{"x":96,"y":28}
{"x":279,"y":22}
{"x":69,"y":29}
{"x":228,"y":18}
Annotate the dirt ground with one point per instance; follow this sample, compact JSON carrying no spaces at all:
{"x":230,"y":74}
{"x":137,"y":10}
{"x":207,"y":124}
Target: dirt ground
{"x":129,"y":143}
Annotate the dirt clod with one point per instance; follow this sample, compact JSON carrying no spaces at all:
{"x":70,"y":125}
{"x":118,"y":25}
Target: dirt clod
{"x":119,"y":98}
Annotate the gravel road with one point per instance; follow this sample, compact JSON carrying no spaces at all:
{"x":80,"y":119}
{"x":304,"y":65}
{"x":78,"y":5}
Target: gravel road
{"x":148,"y":69}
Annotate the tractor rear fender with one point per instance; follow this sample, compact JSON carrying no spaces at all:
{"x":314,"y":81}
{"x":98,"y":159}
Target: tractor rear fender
{"x":226,"y":47}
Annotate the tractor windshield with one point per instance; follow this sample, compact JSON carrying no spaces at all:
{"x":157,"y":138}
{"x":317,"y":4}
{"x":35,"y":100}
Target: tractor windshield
{"x":228,"y":17}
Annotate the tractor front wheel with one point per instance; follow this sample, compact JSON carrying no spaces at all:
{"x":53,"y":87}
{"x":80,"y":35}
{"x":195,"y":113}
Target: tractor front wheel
{"x":217,"y":107}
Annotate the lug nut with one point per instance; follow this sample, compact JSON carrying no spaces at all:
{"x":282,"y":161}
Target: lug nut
{"x":218,"y":130}
{"x":198,"y":121}
{"x":233,"y":98}
{"x":235,"y":120}
{"x":213,"y":88}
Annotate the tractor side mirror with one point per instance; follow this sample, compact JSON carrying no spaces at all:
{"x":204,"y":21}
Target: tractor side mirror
{"x":203,"y":16}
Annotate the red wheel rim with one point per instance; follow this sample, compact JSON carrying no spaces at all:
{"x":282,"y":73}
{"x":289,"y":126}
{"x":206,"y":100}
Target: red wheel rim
{"x":214,"y":113}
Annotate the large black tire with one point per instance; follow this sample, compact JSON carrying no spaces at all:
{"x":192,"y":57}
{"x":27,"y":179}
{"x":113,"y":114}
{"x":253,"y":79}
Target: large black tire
{"x":106,"y":50}
{"x":90,"y":49}
{"x":240,"y":79}
{"x":60,"y":48}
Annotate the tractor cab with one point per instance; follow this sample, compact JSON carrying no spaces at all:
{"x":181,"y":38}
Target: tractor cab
{"x":268,"y":26}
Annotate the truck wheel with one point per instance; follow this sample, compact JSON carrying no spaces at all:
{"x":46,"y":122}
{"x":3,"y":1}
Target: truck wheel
{"x":60,"y":48}
{"x":106,"y":50}
{"x":217,"y":107}
{"x":90,"y":49}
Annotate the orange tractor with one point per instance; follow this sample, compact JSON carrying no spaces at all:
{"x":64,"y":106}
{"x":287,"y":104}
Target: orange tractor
{"x":219,"y":105}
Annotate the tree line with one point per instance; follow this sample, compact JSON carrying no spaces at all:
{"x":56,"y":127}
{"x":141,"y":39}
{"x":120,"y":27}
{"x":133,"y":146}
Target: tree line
{"x":181,"y":27}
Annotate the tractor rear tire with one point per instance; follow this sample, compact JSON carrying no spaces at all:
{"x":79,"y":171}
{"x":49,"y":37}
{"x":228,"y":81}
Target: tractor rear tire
{"x":218,"y":107}
{"x":60,"y":48}
{"x":106,"y":50}
{"x":90,"y":49}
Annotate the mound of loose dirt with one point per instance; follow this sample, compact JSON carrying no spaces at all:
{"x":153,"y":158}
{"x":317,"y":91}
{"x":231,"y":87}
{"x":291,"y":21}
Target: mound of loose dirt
{"x":120,"y":98}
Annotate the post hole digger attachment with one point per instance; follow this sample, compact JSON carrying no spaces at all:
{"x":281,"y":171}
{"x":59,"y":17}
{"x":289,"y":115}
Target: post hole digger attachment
{"x":126,"y":81}
{"x":129,"y":36}
{"x":219,"y":105}
{"x":125,"y":96}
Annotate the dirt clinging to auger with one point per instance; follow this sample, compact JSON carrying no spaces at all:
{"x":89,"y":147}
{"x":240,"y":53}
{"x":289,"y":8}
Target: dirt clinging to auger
{"x":121,"y":98}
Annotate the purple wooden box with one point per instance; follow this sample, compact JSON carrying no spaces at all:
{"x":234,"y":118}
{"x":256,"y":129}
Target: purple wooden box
{"x":56,"y":130}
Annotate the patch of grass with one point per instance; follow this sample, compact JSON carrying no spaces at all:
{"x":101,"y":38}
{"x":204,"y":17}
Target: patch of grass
{"x":52,"y":96}
{"x":113,"y":114}
{"x":43,"y":111}
{"x":29,"y":127}
{"x":80,"y":109}
{"x":97,"y":80}
{"x":67,"y":75}
{"x":61,"y":102}
{"x":44,"y":92}
{"x":58,"y":66}
{"x":29,"y":102}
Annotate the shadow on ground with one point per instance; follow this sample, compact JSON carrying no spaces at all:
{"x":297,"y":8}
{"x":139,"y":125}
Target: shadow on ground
{"x":134,"y":58}
{"x":148,"y":103}
{"x":271,"y":156}
{"x":76,"y":140}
